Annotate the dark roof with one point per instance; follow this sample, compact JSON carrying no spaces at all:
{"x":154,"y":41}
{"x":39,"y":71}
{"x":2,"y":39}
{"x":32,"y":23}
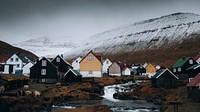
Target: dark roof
{"x":77,"y":73}
{"x":160,"y":72}
{"x":181,"y":62}
{"x":194,"y":67}
{"x":23,"y":58}
{"x":195,"y":81}
{"x":124,"y":65}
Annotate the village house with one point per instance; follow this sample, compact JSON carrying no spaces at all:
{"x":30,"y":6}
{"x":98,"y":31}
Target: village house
{"x":150,"y":70}
{"x":193,"y":88}
{"x":61,"y":65}
{"x":114,"y":69}
{"x":126,"y":69}
{"x":164,"y":78}
{"x":76,"y":63}
{"x":91,"y":65}
{"x":18,"y":60}
{"x":140,"y":70}
{"x":43,"y":71}
{"x":181,"y":66}
{"x":73,"y":76}
{"x":193,"y":71}
{"x":106,"y":64}
{"x":26,"y":68}
{"x":7,"y":69}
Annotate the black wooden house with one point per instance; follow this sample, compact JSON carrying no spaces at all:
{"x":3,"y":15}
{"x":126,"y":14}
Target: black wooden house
{"x":73,"y":76}
{"x":43,"y":71}
{"x":62,"y":66}
{"x":181,"y":66}
{"x":164,"y":78}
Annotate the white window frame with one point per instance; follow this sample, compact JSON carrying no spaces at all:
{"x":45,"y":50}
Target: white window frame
{"x":43,"y":80}
{"x":179,"y":69}
{"x":90,"y":58}
{"x":44,"y":62}
{"x":174,"y":70}
{"x":16,"y":59}
{"x":190,"y":61}
{"x":17,"y":66}
{"x":43,"y":71}
{"x":57,"y":59}
{"x":90,"y":72}
{"x":11,"y":59}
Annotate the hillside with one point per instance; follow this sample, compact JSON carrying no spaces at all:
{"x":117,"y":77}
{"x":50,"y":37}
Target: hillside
{"x":6,"y":50}
{"x":148,"y":41}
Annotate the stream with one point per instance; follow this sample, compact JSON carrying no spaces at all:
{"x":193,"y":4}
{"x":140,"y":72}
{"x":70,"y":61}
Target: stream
{"x":115,"y":104}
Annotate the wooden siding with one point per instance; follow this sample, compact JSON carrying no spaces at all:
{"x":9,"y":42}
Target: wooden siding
{"x":114,"y":69}
{"x":90,"y":65}
{"x":150,"y":68}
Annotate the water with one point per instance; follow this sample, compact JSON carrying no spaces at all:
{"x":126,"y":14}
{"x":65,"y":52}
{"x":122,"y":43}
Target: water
{"x":115,"y":104}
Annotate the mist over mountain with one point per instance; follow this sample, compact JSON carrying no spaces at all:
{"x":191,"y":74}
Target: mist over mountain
{"x":44,"y":46}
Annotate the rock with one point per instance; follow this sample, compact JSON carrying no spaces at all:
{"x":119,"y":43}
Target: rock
{"x":125,"y":96}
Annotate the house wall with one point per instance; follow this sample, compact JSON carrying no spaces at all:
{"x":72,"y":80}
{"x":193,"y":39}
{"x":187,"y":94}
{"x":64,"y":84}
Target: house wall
{"x":126,"y":72}
{"x":26,"y":68}
{"x":71,"y":77}
{"x":198,"y":60}
{"x":115,"y":70}
{"x":150,"y":69}
{"x":7,"y":69}
{"x":106,"y":64}
{"x":90,"y":65}
{"x":193,"y":93}
{"x":76,"y":64}
{"x":14,"y":62}
{"x":94,"y":74}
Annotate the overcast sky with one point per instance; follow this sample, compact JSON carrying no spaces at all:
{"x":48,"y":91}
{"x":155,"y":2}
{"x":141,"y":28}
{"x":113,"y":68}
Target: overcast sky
{"x":79,"y":19}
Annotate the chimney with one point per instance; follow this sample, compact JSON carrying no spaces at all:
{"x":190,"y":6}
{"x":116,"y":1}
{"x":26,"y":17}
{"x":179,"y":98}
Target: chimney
{"x":61,"y":55}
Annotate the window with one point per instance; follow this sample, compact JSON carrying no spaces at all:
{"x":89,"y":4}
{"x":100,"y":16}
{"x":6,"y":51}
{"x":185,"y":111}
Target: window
{"x":90,"y":72}
{"x":90,"y":57}
{"x":179,"y":69}
{"x":174,"y":70}
{"x":43,"y":71}
{"x":11,"y":59}
{"x":44,"y":63}
{"x":107,"y":62}
{"x":16,"y":59}
{"x":17,"y":65}
{"x":57,"y":59}
{"x":43,"y":80}
{"x":76,"y":61}
{"x":191,"y":61}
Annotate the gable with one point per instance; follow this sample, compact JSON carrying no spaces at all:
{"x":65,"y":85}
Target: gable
{"x":90,"y":57}
{"x":165,"y":74}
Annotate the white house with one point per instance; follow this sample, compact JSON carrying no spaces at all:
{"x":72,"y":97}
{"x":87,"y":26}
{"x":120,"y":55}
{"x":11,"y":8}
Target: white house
{"x":106,"y":64}
{"x":26,"y":68}
{"x":126,"y":71}
{"x":19,"y":61}
{"x":7,"y":69}
{"x":76,"y":64}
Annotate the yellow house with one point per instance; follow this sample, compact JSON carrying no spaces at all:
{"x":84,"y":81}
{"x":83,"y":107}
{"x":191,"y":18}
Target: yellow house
{"x":91,"y":65}
{"x":150,"y":68}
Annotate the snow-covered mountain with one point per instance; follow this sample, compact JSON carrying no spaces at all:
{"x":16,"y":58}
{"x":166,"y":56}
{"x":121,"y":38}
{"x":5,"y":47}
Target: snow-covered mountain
{"x":47,"y":47}
{"x":149,"y":34}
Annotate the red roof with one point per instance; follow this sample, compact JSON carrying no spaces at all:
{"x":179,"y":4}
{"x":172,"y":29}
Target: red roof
{"x":194,"y":81}
{"x":124,"y":65}
{"x":99,"y":56}
{"x":197,"y":57}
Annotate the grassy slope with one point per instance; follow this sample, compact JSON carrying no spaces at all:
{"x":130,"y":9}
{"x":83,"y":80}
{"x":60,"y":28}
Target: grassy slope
{"x":7,"y":50}
{"x":165,"y":56}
